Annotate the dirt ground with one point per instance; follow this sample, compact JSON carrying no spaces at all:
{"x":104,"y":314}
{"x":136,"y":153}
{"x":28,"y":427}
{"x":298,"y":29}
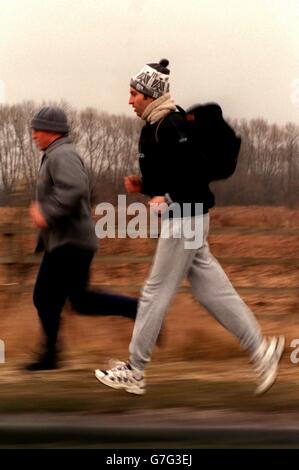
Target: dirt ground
{"x":200,"y":366}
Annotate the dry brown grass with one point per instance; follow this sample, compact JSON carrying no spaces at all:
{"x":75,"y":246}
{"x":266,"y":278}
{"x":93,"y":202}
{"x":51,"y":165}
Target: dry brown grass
{"x":200,"y":371}
{"x":191,"y":332}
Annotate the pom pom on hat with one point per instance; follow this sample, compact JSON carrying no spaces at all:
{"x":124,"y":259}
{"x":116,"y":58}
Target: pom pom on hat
{"x":161,"y":66}
{"x":164,"y":62}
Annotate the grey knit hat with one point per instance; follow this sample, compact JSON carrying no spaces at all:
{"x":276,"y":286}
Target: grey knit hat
{"x":50,"y":119}
{"x":152,"y":80}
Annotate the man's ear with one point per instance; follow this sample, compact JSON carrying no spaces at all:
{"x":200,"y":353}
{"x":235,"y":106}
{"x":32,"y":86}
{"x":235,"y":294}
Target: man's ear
{"x":148,"y":98}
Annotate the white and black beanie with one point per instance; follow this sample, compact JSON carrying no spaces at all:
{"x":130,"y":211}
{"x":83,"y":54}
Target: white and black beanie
{"x":152,"y":80}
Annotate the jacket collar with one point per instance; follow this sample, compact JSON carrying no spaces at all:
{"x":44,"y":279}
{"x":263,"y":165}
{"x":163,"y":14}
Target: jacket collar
{"x":57,"y":143}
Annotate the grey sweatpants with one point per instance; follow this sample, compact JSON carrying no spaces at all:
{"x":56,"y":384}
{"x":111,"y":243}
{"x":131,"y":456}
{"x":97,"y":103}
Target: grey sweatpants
{"x":210,"y":286}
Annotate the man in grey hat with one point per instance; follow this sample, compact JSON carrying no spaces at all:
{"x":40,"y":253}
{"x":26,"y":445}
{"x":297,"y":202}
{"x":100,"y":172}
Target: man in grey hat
{"x":62,"y":213}
{"x":169,"y":177}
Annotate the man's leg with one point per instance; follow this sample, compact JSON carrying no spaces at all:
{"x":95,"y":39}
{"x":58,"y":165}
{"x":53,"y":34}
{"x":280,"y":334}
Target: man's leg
{"x":92,"y":302}
{"x":212,"y":288}
{"x":49,"y":297}
{"x":170,"y":265}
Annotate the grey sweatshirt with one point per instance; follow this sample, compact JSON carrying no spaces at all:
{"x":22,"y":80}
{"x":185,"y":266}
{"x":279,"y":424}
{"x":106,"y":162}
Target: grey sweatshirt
{"x":63,"y":194}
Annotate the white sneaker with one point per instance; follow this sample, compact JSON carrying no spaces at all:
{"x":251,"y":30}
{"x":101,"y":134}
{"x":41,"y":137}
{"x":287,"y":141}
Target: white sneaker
{"x":266,"y":361}
{"x":123,"y":376}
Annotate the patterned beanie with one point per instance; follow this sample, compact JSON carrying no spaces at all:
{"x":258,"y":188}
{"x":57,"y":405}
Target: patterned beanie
{"x":152,"y":80}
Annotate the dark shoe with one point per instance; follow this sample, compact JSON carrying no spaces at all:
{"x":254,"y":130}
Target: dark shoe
{"x":46,"y":361}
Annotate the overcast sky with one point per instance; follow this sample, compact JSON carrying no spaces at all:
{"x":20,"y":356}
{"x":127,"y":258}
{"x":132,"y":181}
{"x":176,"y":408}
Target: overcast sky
{"x":242,"y":54}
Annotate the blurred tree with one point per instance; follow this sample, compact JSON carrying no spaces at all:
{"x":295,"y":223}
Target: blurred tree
{"x":267,"y":171}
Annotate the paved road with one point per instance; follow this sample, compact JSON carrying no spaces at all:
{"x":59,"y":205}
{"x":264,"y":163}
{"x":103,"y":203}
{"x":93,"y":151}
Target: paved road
{"x":148,"y":430}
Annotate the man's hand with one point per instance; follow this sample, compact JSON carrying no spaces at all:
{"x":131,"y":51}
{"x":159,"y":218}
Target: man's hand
{"x":37,"y":216}
{"x":133,"y":184}
{"x":158,"y":204}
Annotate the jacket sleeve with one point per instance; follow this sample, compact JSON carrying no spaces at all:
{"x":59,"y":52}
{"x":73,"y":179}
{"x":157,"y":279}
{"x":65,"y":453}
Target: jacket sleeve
{"x":70,"y":183}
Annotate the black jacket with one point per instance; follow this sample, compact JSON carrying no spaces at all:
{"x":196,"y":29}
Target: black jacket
{"x":168,"y":164}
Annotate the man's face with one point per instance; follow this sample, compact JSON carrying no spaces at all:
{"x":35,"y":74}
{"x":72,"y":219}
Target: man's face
{"x":43,"y":139}
{"x":139,"y":101}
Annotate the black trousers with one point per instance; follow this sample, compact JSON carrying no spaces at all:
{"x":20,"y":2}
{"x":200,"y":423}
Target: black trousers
{"x":64,"y":274}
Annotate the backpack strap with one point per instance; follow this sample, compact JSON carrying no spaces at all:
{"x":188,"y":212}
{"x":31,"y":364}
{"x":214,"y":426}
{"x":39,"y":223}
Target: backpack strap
{"x":157,"y":128}
{"x":181,"y":111}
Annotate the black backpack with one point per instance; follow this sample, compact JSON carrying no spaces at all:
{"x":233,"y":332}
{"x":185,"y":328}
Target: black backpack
{"x":212,"y":140}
